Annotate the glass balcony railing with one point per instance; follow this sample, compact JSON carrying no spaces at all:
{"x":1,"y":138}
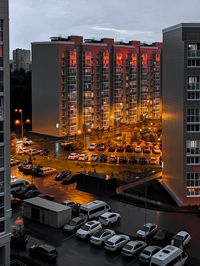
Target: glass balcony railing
{"x":193,"y":53}
{"x":194,"y":86}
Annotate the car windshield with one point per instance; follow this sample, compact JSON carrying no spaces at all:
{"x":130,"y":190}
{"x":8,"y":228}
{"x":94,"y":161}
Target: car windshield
{"x":103,"y":218}
{"x":128,"y":247}
{"x":85,"y":227}
{"x":146,"y":252}
{"x":72,"y":223}
{"x":145,"y":228}
{"x":98,"y":234}
{"x":109,"y":243}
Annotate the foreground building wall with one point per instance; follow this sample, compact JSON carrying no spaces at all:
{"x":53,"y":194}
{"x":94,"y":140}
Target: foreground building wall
{"x":5,"y":210}
{"x":181,"y":112}
{"x":80,"y":85}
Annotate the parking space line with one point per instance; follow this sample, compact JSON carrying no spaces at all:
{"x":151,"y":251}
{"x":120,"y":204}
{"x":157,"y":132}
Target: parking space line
{"x":69,"y":237}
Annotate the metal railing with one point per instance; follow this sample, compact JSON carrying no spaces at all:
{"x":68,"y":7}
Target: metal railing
{"x":193,"y":53}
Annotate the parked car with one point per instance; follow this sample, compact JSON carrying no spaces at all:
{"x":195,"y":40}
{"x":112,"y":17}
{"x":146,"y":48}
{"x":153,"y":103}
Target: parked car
{"x":146,"y":149}
{"x":109,"y":218}
{"x":36,"y":169}
{"x":92,"y":147}
{"x":23,"y":151}
{"x":88,"y":229}
{"x":181,"y":237}
{"x":31,"y":194}
{"x":27,"y":141}
{"x":133,"y":248}
{"x":44,"y":152}
{"x":113,"y":158}
{"x":73,"y":225}
{"x":73,"y":156}
{"x":103,"y":158}
{"x":163,"y":237}
{"x":129,"y":148}
{"x":147,"y":253}
{"x":156,"y":150}
{"x":83,"y":157}
{"x":69,"y":179}
{"x":122,"y":159}
{"x":27,"y":169}
{"x":47,"y":196}
{"x":14,"y":162}
{"x":62,"y":174}
{"x":111,"y":149}
{"x":33,"y":152}
{"x":116,"y":242}
{"x":133,"y":160}
{"x":143,"y":160}
{"x":138,"y":149}
{"x":101,"y":147}
{"x":100,"y":237}
{"x":44,"y":171}
{"x":120,"y":148}
{"x":147,"y":230}
{"x":20,"y":193}
{"x":44,"y":252}
{"x":94,"y":157}
{"x":153,"y":160}
{"x":74,"y":205}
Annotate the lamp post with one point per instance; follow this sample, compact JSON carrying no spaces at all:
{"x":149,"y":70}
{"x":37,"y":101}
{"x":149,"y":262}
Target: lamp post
{"x":21,"y":117}
{"x":145,"y":212}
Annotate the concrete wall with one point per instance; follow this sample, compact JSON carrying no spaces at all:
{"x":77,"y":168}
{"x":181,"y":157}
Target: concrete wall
{"x":45,"y":91}
{"x":173,"y":112}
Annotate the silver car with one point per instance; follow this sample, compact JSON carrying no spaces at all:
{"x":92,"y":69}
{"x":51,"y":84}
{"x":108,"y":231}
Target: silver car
{"x":100,"y":237}
{"x":116,"y":242}
{"x":132,"y":248}
{"x":147,"y":253}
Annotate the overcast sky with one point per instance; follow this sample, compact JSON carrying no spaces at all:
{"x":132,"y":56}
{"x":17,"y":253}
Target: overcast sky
{"x":37,"y":20}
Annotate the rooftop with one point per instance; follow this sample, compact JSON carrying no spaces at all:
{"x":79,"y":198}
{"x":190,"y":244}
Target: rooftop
{"x":182,"y":25}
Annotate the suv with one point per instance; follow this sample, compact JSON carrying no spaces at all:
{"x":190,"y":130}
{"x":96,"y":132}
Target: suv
{"x":92,"y":147}
{"x":44,"y":252}
{"x":88,"y":229}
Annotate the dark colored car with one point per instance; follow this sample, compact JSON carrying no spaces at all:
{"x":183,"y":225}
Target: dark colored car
{"x":103,"y":158}
{"x":120,"y":148}
{"x":44,"y":252}
{"x":74,"y":205}
{"x":73,"y":225}
{"x":22,"y":165}
{"x":129,"y":148}
{"x":143,"y":160}
{"x":68,"y":180}
{"x":62,"y":174}
{"x":133,"y":160}
{"x":111,"y":149}
{"x":101,"y":147}
{"x":163,"y":237}
{"x":47,"y":197}
{"x":31,"y":194}
{"x":44,"y":152}
{"x":122,"y":159}
{"x":20,"y":193}
{"x":27,"y":169}
{"x":19,"y":239}
{"x":36,"y":170}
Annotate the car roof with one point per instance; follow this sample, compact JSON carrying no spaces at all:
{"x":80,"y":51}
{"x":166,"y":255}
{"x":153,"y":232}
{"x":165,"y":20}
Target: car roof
{"x":135,"y":242}
{"x":47,"y":247}
{"x":182,"y":233}
{"x":116,"y":237}
{"x":90,"y":223}
{"x":76,"y":219}
{"x":107,"y":214}
{"x":151,"y":248}
{"x":149,"y":224}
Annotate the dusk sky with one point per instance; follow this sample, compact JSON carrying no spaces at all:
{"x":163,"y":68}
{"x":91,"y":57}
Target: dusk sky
{"x":37,"y":20}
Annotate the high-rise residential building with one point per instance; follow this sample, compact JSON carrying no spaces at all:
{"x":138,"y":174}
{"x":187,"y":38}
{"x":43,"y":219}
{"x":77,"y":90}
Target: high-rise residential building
{"x":21,"y":59}
{"x":181,"y":112}
{"x":5,"y":210}
{"x":93,"y":84}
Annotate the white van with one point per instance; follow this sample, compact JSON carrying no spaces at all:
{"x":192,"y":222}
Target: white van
{"x":169,"y":256}
{"x":17,"y":183}
{"x":93,"y":209}
{"x":46,"y":171}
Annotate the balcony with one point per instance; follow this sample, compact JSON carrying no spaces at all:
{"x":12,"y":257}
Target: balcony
{"x":193,"y":53}
{"x":193,"y":86}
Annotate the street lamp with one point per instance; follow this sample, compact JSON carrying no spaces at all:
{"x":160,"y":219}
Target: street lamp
{"x":21,"y":115}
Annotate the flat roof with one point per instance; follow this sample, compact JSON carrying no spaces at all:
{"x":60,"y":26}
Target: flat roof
{"x":166,"y":252}
{"x":182,"y":25}
{"x":46,"y":204}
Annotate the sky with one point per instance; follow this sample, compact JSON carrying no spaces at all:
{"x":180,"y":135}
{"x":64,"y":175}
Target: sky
{"x":37,"y":20}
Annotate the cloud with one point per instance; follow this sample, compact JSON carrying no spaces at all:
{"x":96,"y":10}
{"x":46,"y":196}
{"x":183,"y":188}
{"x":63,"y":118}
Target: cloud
{"x":127,"y":32}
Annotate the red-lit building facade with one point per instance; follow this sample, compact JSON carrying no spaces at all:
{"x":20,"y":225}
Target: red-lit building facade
{"x":90,"y":84}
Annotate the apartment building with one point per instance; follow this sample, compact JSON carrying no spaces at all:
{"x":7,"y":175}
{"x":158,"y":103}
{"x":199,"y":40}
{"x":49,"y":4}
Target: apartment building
{"x":91,"y":84}
{"x":21,"y":59}
{"x":5,"y":210}
{"x":181,"y":112}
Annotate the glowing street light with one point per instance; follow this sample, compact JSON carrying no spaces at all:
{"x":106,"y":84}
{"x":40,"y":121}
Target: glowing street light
{"x":21,"y":122}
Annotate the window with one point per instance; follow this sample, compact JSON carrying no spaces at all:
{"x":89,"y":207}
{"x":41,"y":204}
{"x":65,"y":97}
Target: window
{"x":193,"y":88}
{"x":193,"y":184}
{"x":193,"y":120}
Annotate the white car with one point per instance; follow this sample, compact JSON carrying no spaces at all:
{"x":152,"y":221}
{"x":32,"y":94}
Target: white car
{"x":83,"y":157}
{"x":156,"y":150}
{"x":33,"y":152}
{"x":94,"y":157}
{"x":27,"y":141}
{"x":116,"y":242}
{"x":147,"y":253}
{"x":132,"y":248}
{"x":23,"y":151}
{"x":88,"y":229}
{"x":14,"y":162}
{"x":109,"y":218}
{"x":147,"y":230}
{"x":92,"y":147}
{"x":181,"y":236}
{"x":100,"y":237}
{"x":153,"y":160}
{"x":138,"y":148}
{"x":73,"y":156}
